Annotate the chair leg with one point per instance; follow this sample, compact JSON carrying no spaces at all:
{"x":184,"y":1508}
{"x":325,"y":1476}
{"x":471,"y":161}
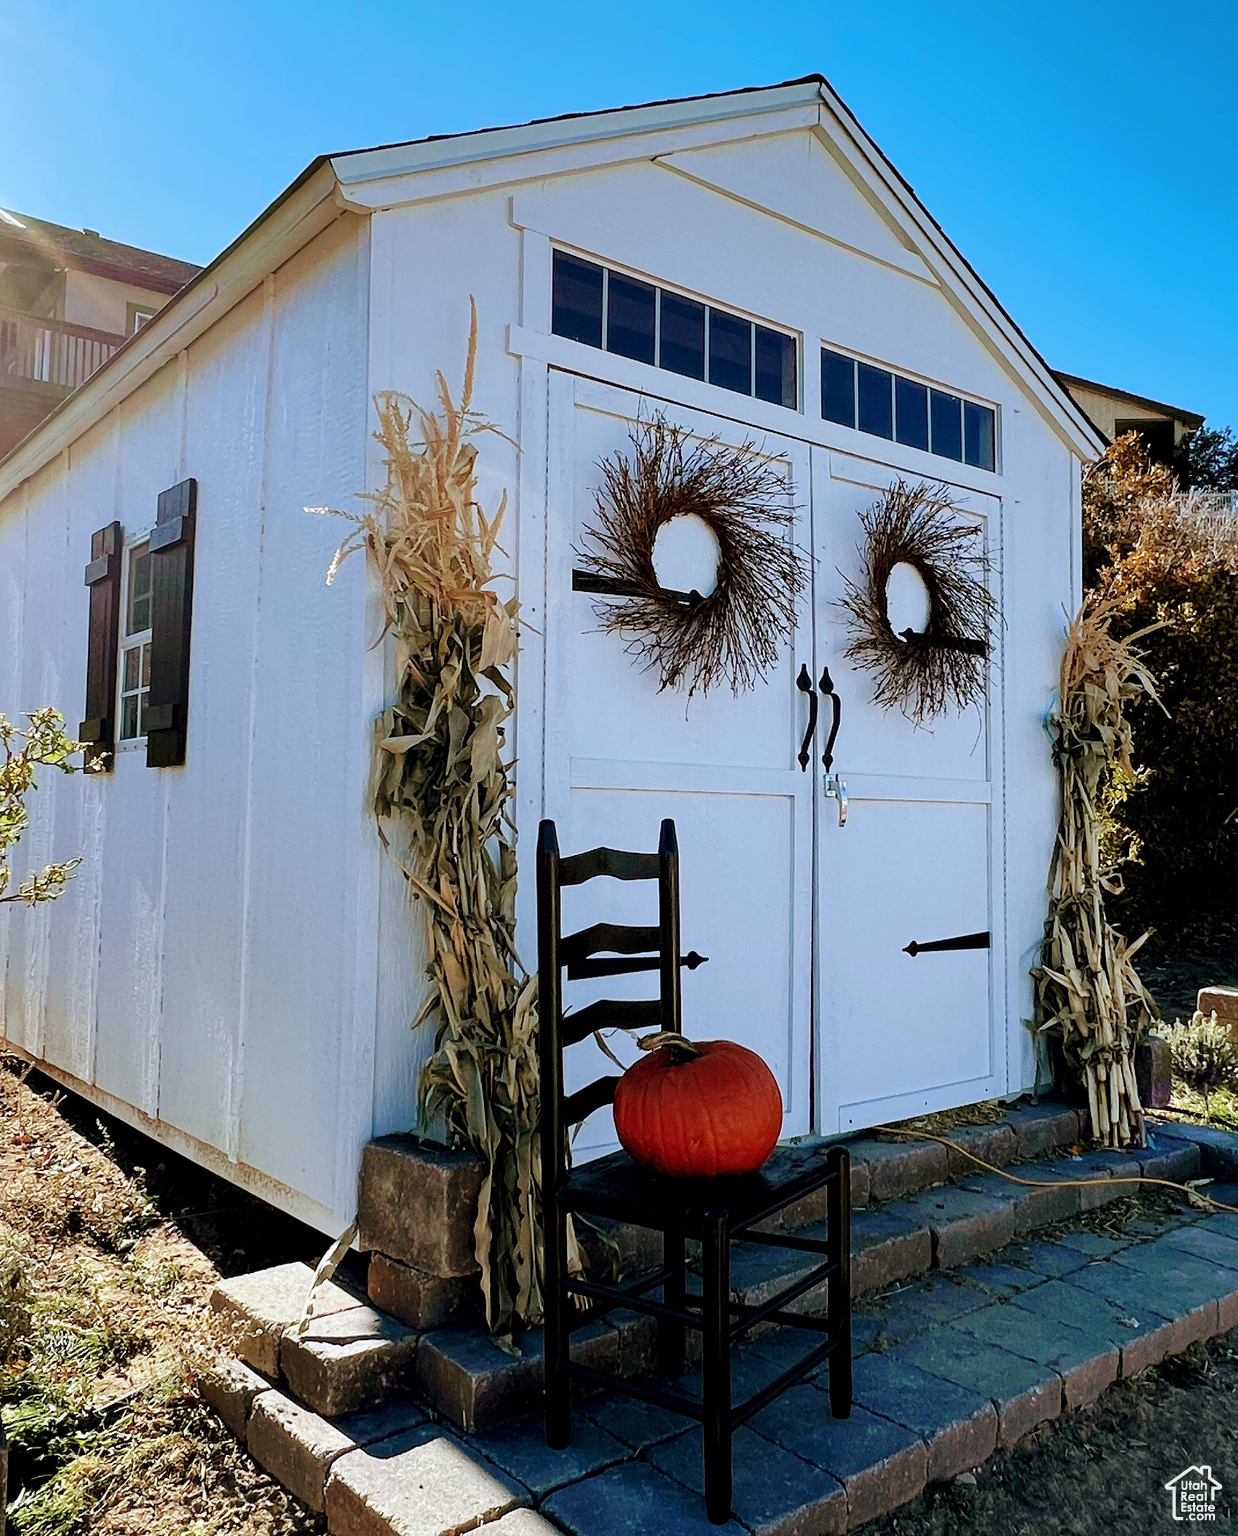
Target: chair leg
{"x":716,"y":1363}
{"x":557,"y":1339}
{"x":672,"y":1338}
{"x":838,"y":1287}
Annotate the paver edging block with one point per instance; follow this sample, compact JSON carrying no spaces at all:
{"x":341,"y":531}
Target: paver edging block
{"x":423,"y":1484}
{"x":349,"y":1361}
{"x":958,"y":1425}
{"x":1023,"y":1393}
{"x":900,"y":1168}
{"x":229,"y":1388}
{"x":417,"y":1202}
{"x":879,"y":1463}
{"x":265,"y":1304}
{"x":295,"y":1446}
{"x":517,"y":1522}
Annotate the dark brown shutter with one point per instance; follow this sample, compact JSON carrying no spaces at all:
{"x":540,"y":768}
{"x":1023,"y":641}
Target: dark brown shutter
{"x":103,"y":578}
{"x":171,"y":569}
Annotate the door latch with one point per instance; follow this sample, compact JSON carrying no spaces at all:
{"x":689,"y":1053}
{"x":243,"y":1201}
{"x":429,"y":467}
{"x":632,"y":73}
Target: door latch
{"x":836,"y":789}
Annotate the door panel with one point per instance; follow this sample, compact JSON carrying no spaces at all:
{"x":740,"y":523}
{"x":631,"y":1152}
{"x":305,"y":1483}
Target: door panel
{"x":899,"y":1035}
{"x":904,"y":870}
{"x":620,"y":756}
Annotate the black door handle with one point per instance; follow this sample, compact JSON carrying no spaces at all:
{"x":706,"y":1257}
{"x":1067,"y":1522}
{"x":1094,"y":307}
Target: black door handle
{"x":804,"y":683}
{"x":827,"y":688}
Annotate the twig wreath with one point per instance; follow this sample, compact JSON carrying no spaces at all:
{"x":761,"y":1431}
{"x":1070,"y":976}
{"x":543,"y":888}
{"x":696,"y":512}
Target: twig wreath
{"x":922,"y":672}
{"x":732,"y":635}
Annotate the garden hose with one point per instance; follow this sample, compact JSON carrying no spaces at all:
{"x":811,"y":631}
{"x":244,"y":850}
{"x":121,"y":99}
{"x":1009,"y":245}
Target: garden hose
{"x":1194,"y":1196}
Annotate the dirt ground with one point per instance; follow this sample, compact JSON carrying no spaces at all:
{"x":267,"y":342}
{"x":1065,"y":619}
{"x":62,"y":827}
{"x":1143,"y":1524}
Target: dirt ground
{"x":108,"y":1250}
{"x":106,"y":1267}
{"x":1101,"y":1471}
{"x":1174,"y":976}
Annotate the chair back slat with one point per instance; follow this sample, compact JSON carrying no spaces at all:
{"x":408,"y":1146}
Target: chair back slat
{"x":609,"y":1013}
{"x":659,"y":947}
{"x":579,"y":867}
{"x":613,"y":938}
{"x":588,"y":970}
{"x":580,"y":1105}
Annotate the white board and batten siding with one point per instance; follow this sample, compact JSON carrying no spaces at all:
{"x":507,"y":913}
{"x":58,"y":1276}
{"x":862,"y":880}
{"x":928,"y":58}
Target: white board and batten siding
{"x":210,"y":973}
{"x":235,"y":966}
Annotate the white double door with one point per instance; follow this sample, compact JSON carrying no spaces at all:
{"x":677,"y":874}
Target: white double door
{"x":804,"y":921}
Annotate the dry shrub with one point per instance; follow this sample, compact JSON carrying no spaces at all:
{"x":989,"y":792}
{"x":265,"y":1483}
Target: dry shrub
{"x":442,"y":793}
{"x":1089,"y":995}
{"x":1163,"y":558}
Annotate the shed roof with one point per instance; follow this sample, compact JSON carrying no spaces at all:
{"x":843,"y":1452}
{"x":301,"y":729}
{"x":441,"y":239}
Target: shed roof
{"x":295,"y":216}
{"x":85,"y":250}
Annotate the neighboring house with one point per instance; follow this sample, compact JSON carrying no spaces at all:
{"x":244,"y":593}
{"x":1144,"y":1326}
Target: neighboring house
{"x":235,"y":966}
{"x":68,"y":300}
{"x":1115,"y":412}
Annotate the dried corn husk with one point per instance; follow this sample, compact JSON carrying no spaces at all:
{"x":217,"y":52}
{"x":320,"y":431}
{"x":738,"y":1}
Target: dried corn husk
{"x":1089,"y":994}
{"x":441,"y":793}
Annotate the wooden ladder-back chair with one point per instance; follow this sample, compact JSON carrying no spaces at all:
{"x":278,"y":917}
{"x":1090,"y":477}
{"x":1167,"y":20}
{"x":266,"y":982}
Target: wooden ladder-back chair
{"x":714,"y":1212}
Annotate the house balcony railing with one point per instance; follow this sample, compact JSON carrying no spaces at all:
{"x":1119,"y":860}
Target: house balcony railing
{"x":51,"y":352}
{"x":1217,"y":503}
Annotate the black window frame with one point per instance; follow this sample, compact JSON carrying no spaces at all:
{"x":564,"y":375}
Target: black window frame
{"x":772,"y":352}
{"x":843,"y":377}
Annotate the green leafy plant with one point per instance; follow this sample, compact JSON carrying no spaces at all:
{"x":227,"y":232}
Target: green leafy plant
{"x":44,"y":744}
{"x":1204,"y":1055}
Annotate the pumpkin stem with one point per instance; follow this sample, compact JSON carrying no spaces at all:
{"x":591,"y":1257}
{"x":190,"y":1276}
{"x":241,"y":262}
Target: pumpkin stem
{"x":681,"y":1048}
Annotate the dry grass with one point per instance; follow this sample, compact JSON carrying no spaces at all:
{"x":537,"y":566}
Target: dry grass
{"x":103,"y":1322}
{"x":442,"y":792}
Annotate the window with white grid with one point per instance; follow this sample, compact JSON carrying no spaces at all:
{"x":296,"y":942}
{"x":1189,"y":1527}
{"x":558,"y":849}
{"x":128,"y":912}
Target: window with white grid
{"x":135,"y":644}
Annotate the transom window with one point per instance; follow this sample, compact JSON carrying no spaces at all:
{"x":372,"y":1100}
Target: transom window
{"x":636,"y":319}
{"x":135,"y":644}
{"x":882,"y":403}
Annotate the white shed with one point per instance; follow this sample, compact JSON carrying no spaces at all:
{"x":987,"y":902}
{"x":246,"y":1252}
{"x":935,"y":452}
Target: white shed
{"x":231,"y":969}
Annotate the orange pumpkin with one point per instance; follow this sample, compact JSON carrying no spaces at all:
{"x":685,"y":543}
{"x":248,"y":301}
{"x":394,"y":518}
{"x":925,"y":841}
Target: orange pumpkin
{"x":717,"y":1111}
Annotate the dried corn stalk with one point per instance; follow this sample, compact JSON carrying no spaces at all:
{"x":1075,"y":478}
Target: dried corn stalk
{"x":1088,"y":992}
{"x":441,"y":794}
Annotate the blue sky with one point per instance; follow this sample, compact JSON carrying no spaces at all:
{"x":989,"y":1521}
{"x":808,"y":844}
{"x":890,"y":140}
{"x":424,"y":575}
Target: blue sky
{"x":1082,"y":155}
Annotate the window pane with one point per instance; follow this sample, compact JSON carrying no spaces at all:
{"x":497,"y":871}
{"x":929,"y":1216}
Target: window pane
{"x":978,"y":435}
{"x":133,"y":661}
{"x":129,"y":718}
{"x":776,"y":367}
{"x":577,"y":300}
{"x":146,"y":666}
{"x":837,"y":388}
{"x":947,"y":417}
{"x":682,"y":340}
{"x":876,"y":401}
{"x":138,"y":617}
{"x":730,"y":352}
{"x":911,"y":413}
{"x":630,"y":311}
